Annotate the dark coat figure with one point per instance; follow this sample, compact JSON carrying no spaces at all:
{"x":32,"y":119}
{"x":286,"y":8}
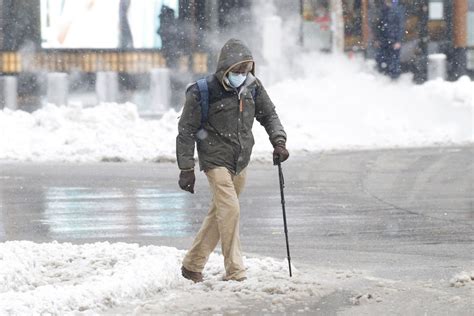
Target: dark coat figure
{"x":126,"y":38}
{"x":229,"y":139}
{"x":224,"y":144}
{"x":168,"y":32}
{"x":389,"y":31}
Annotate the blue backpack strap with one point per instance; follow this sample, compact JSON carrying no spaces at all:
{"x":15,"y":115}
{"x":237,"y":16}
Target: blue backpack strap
{"x":204,"y":91}
{"x":254,"y":93}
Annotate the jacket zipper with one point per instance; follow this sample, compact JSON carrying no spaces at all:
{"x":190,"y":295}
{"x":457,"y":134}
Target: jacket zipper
{"x":241,"y":110}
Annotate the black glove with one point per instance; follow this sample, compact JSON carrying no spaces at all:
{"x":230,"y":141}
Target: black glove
{"x":187,"y":180}
{"x":280,"y":153}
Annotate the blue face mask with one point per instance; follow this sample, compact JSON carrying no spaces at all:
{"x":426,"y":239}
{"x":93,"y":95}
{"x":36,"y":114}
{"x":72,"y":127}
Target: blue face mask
{"x":236,"y":79}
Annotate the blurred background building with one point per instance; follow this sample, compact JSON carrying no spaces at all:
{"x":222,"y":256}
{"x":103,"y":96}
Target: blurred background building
{"x":109,"y":50}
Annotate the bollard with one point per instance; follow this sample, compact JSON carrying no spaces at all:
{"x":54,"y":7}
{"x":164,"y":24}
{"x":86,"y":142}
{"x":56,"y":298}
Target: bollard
{"x":8,"y":92}
{"x":436,"y":66}
{"x":58,"y":87}
{"x":107,"y":86}
{"x":160,"y":90}
{"x":272,"y":48}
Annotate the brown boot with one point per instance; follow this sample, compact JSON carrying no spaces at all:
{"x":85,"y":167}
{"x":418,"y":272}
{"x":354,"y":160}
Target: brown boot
{"x":190,"y":275}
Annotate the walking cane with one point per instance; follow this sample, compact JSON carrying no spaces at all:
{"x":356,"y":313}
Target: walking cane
{"x":282,"y":186}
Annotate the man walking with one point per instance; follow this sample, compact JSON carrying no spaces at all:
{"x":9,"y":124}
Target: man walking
{"x":224,"y":144}
{"x":389,"y":31}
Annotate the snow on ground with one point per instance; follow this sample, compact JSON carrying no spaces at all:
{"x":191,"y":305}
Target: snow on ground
{"x":123,"y":278}
{"x":462,"y":279}
{"x":326,"y":102}
{"x":56,"y":278}
{"x":74,"y":133}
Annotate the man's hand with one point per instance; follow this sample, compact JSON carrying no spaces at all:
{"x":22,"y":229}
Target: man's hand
{"x":280,"y":153}
{"x":187,"y":180}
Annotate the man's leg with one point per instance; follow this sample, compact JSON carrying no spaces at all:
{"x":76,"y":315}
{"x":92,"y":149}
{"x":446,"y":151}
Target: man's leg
{"x":380,"y":59}
{"x":226,"y":189}
{"x":236,"y":270}
{"x":394,"y":69}
{"x":222,"y":222}
{"x":204,"y":243}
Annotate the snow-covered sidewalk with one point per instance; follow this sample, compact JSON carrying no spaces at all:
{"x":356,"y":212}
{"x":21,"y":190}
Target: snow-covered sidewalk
{"x":61,"y":277}
{"x":58,"y":278}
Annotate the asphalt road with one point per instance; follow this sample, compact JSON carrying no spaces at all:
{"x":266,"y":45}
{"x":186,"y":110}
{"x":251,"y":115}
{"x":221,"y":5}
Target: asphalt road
{"x":405,"y":214}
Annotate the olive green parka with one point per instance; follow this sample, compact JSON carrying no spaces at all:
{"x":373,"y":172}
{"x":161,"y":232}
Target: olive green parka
{"x":226,"y":139}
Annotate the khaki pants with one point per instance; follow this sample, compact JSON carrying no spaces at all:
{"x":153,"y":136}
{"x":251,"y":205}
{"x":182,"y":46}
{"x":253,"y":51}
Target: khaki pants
{"x":222,"y":222}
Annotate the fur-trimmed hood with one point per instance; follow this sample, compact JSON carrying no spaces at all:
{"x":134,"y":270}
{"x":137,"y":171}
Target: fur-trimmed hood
{"x":233,"y":52}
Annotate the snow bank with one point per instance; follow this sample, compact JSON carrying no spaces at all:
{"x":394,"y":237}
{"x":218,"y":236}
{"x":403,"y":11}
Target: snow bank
{"x":462,"y":279}
{"x":105,"y":132}
{"x":327,"y":102}
{"x":60,"y":277}
{"x":341,"y":104}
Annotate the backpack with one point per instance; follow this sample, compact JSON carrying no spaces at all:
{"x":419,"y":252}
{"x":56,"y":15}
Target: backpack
{"x":204,"y":91}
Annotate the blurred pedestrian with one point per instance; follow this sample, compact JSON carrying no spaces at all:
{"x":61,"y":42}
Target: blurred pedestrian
{"x":125,"y":35}
{"x":389,"y":30}
{"x":168,"y":31}
{"x":224,"y":144}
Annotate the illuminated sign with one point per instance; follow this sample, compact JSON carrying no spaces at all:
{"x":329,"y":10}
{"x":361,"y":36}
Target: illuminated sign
{"x":102,"y":23}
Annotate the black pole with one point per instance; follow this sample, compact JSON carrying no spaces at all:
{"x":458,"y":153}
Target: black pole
{"x":282,"y":186}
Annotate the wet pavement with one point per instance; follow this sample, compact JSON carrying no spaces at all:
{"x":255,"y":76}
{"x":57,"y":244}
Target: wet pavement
{"x":403,"y":213}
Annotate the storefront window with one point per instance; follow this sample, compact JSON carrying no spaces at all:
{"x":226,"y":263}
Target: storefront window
{"x":470,"y":35}
{"x":470,"y":24}
{"x":314,"y":10}
{"x":316,"y":24}
{"x":102,"y":24}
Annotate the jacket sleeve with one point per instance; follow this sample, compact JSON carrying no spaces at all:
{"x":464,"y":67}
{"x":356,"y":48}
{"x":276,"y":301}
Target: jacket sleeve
{"x":266,"y":115}
{"x":188,"y":126}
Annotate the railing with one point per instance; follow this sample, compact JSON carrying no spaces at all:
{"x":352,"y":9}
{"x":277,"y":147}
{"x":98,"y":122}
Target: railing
{"x":90,"y":61}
